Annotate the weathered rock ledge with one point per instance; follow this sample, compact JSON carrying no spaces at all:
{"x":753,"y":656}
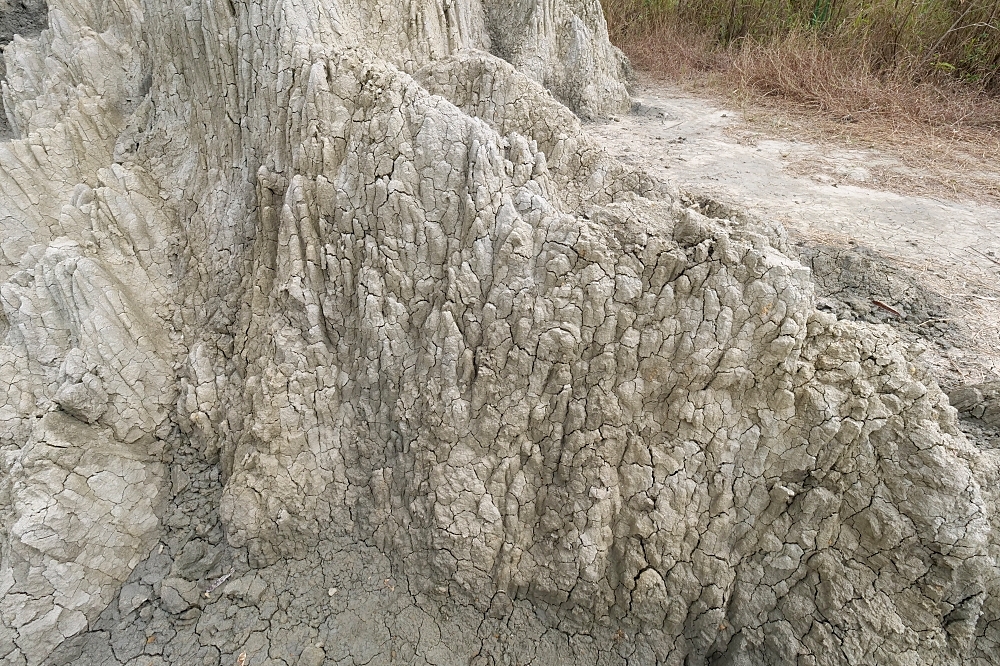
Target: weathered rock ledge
{"x":328,"y":336}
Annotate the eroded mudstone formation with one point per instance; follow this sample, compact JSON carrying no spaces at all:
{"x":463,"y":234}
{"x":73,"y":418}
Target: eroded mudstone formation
{"x":328,"y":336}
{"x":979,"y":401}
{"x":24,"y":18}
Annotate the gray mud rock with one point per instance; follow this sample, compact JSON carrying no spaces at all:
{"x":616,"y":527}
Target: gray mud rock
{"x":978,"y":401}
{"x":859,"y":284}
{"x":329,"y":337}
{"x":24,"y":18}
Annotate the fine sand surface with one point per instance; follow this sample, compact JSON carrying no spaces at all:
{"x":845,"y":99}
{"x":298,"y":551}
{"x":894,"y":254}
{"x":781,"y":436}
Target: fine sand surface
{"x":936,"y":262}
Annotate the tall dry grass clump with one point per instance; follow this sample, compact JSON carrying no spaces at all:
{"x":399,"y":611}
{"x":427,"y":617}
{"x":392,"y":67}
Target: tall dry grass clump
{"x":932,"y":61}
{"x":921,"y":38}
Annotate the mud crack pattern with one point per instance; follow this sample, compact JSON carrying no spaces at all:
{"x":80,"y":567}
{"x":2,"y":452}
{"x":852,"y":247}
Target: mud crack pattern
{"x":331,"y":338}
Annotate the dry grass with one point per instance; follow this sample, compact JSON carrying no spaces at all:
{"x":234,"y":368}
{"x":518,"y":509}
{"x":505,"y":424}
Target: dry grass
{"x":671,"y":51}
{"x":921,"y":39}
{"x":943,"y":138}
{"x":943,"y":135}
{"x":841,"y":83}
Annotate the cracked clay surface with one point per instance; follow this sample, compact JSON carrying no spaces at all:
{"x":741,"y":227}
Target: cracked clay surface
{"x":330,"y":336}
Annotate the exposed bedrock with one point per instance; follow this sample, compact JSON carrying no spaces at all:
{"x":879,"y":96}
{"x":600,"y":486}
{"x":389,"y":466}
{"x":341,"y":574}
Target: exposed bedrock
{"x":25,"y":18}
{"x":360,"y":263}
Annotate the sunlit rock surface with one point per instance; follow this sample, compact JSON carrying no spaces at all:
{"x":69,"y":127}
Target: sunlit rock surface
{"x":328,"y":336}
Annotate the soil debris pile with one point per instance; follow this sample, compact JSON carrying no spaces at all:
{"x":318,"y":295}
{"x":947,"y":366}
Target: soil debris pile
{"x":345,"y":343}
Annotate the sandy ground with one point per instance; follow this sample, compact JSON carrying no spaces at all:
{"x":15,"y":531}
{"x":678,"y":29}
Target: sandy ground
{"x":934,"y":262}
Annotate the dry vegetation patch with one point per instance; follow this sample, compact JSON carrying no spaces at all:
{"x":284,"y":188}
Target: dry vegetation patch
{"x":916,"y":80}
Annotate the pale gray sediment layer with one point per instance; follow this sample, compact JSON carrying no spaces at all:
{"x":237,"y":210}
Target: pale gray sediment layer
{"x":24,"y":18}
{"x":330,"y":337}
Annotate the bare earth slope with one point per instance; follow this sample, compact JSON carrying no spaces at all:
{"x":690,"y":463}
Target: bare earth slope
{"x":330,"y":335}
{"x":936,"y":261}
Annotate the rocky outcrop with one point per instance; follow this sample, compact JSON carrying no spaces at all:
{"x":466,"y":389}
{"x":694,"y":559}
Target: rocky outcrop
{"x":337,"y":304}
{"x":86,"y":411}
{"x":978,"y":401}
{"x":24,"y":18}
{"x":564,"y":46}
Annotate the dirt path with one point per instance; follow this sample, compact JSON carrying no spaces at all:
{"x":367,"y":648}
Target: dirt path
{"x":935,"y":262}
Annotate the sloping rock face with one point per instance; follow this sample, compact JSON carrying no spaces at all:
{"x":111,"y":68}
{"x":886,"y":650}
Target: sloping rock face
{"x":329,"y":337}
{"x":25,"y":18}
